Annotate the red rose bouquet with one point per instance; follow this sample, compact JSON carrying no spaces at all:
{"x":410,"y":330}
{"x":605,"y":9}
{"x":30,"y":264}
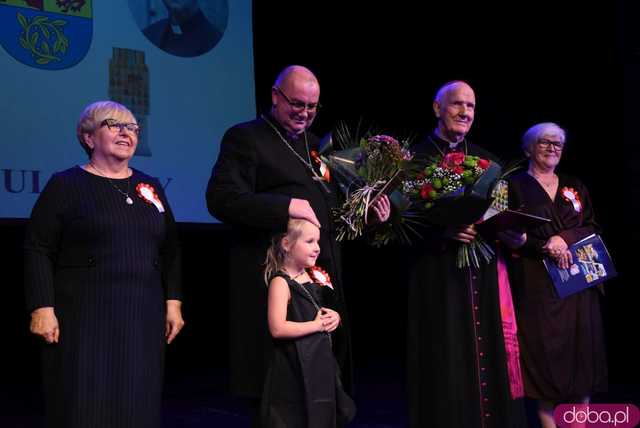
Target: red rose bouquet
{"x":446,"y":177}
{"x":453,"y":190}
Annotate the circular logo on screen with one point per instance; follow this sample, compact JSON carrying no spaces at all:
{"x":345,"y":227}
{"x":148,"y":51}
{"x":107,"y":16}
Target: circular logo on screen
{"x":51,"y":35}
{"x":184,"y":28}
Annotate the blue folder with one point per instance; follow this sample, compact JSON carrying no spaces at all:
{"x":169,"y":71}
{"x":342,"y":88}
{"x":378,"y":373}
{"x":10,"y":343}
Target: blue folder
{"x":591,"y":266}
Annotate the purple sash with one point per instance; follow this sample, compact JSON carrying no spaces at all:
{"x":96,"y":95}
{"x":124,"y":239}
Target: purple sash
{"x":509,"y":329}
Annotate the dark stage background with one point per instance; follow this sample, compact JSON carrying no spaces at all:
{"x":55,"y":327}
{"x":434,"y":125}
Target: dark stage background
{"x":529,"y":62}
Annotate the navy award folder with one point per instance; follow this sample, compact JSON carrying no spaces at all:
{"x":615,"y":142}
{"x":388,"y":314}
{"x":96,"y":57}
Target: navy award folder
{"x":591,"y":266}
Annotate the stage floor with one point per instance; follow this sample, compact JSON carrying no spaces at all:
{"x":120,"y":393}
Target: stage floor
{"x":199,"y":400}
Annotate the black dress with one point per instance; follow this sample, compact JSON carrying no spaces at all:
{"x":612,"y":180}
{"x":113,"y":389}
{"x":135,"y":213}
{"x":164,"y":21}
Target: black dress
{"x":457,"y":367}
{"x":561,"y":340}
{"x":107,"y":268}
{"x":251,"y":186}
{"x":302,"y":382}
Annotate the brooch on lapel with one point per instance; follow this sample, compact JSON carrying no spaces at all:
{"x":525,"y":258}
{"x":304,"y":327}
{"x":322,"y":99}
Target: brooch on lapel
{"x":571,"y":196}
{"x":320,"y":276}
{"x":148,"y":193}
{"x":324,"y":169}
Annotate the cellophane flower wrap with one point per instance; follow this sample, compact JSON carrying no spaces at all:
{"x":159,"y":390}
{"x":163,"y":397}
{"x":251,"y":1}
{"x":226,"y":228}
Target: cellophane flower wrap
{"x":364,"y":169}
{"x":450,"y":190}
{"x":449,"y":193}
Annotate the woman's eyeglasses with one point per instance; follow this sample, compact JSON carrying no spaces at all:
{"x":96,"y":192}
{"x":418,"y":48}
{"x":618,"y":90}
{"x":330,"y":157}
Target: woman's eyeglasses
{"x":545,"y":144}
{"x":113,"y":125}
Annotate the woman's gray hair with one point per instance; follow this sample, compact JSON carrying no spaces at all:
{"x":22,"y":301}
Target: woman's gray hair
{"x":93,"y":115}
{"x":537,"y":132}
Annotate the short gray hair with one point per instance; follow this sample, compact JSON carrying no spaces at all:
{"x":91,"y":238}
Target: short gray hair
{"x":537,"y":132}
{"x":95,"y":113}
{"x":446,"y":88}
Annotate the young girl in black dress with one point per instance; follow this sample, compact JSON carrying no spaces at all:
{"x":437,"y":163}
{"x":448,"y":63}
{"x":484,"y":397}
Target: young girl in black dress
{"x":302,"y":387}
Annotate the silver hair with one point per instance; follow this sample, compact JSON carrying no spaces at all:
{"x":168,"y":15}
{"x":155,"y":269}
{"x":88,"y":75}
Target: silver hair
{"x":445,"y":89}
{"x":537,"y":132}
{"x":95,"y":113}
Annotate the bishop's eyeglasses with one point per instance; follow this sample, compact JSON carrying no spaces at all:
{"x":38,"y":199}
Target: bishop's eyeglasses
{"x":298,"y":106}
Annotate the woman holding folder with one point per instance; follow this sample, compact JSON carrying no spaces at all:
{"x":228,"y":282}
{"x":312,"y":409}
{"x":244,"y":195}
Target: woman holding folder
{"x":561,"y":340}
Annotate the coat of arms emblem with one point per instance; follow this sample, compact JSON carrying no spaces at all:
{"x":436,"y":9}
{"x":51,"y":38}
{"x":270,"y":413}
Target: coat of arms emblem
{"x":47,"y":34}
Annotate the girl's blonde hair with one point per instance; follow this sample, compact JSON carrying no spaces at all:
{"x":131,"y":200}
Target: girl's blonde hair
{"x":276,"y":253}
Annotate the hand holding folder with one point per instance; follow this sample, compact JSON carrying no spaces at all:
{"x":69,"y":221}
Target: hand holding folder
{"x":591,"y":266}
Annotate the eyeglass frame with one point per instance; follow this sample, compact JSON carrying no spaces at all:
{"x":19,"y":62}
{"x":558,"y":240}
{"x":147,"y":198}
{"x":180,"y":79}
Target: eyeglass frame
{"x":299,"y":106}
{"x":545,"y":144}
{"x":113,"y":123}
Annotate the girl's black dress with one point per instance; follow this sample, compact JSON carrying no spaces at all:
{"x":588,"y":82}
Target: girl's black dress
{"x":302,"y":387}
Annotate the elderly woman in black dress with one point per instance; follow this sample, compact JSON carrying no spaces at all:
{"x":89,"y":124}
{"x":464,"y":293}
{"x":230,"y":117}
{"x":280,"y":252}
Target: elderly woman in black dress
{"x":561,"y":340}
{"x":102,"y":278}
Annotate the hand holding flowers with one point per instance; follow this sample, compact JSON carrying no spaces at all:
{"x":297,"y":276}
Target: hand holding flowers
{"x":440,"y":189}
{"x":379,"y":162}
{"x":379,"y":211}
{"x":464,"y":234}
{"x":452,"y":192}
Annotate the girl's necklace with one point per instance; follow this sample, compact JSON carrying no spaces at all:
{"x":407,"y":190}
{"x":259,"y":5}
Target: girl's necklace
{"x":298,"y":275}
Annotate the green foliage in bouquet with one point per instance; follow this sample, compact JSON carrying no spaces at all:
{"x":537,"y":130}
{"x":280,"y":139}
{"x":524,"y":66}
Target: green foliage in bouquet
{"x":445,"y":176}
{"x":450,"y":190}
{"x":447,"y":180}
{"x":364,"y":167}
{"x":379,"y":164}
